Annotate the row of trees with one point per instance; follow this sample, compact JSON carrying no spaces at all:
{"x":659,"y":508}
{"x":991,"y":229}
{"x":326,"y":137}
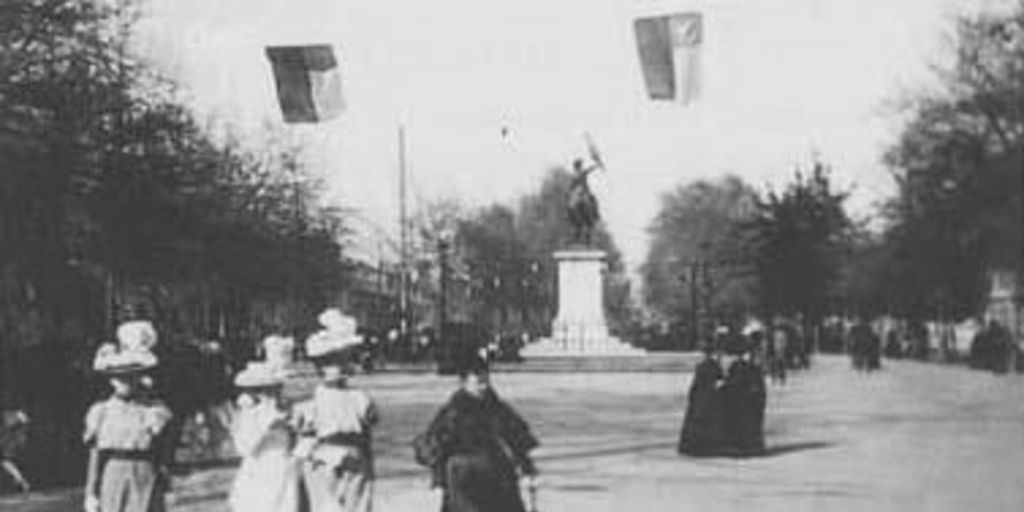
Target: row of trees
{"x":501,"y":260}
{"x":111,"y":193}
{"x":725,"y":251}
{"x":957,"y":216}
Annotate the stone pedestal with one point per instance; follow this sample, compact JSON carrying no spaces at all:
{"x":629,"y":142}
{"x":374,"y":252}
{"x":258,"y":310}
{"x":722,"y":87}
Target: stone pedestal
{"x":579,"y":327}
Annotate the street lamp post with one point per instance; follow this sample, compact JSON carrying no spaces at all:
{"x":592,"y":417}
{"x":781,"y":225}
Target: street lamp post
{"x":443,"y":348}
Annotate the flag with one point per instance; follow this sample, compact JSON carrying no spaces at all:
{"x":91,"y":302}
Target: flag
{"x":308,"y":82}
{"x":669,"y":49}
{"x":595,"y":155}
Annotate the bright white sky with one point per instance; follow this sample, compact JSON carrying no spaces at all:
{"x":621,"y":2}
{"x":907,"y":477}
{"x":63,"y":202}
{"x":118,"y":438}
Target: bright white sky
{"x":782,"y":79}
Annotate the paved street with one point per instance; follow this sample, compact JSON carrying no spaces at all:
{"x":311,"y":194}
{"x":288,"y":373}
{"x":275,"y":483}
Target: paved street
{"x":913,"y":437}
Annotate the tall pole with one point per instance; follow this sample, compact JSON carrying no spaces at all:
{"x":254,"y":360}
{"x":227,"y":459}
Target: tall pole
{"x":403,"y":297}
{"x":695,"y":303}
{"x":442,"y":300}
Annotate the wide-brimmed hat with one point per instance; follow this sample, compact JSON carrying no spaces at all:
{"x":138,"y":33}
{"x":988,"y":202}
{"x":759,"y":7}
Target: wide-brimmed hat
{"x":259,"y":374}
{"x":327,"y":344}
{"x":334,"y":320}
{"x":338,"y":338}
{"x":136,"y":335}
{"x":113,"y":360}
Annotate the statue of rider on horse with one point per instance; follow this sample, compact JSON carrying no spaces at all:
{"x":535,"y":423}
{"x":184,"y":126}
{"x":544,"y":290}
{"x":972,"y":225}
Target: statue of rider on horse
{"x":582,"y":208}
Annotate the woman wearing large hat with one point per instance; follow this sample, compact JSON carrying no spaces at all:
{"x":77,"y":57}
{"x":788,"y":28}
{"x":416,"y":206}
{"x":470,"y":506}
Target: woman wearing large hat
{"x":268,"y":479}
{"x":336,"y":423}
{"x":124,"y":432}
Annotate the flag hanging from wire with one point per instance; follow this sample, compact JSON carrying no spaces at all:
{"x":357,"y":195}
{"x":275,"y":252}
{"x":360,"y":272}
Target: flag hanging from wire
{"x":669,"y":48}
{"x":592,"y":151}
{"x":308,"y":82}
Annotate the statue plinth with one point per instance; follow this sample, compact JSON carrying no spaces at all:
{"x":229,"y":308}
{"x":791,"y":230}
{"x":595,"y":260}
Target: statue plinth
{"x":579,"y":328}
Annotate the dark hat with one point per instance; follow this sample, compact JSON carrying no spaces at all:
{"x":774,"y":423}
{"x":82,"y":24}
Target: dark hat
{"x":472,"y":362}
{"x":735,"y":345}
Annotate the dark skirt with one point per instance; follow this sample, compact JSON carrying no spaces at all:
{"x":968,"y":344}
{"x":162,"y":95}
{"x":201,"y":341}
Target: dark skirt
{"x":481,"y":482}
{"x":744,"y":400}
{"x":702,"y":432}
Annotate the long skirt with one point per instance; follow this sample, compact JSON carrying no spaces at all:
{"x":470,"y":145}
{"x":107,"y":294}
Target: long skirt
{"x":130,"y":486}
{"x":267,"y":483}
{"x":345,"y":488}
{"x":481,"y":482}
{"x":702,"y":433}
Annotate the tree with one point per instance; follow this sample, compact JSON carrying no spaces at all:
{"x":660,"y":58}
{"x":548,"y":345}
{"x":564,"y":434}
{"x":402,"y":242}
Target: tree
{"x":699,"y":226}
{"x":111,"y":192}
{"x":798,"y":239}
{"x":959,"y":163}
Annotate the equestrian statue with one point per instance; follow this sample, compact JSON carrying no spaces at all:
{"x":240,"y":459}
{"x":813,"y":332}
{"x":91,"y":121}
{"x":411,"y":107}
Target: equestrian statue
{"x":582,"y":208}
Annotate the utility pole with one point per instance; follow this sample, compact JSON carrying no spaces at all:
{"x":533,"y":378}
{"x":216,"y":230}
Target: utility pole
{"x":403,"y":293}
{"x":443,"y":348}
{"x":695,"y":268}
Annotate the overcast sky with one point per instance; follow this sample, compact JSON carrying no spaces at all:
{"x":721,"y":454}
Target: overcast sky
{"x":782,"y":79}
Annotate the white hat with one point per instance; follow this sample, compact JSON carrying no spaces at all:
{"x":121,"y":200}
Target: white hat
{"x":752,"y":327}
{"x":332,"y":319}
{"x":326,"y":343}
{"x":259,"y":374}
{"x":111,"y":359}
{"x":136,"y":335}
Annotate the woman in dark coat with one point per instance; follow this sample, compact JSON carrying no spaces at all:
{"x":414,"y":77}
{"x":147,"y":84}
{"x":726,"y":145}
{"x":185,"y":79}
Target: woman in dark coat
{"x":477,"y":446}
{"x":702,"y":426}
{"x":745,"y":400}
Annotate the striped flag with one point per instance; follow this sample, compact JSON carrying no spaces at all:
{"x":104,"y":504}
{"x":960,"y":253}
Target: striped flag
{"x":669,"y":49}
{"x":308,"y":82}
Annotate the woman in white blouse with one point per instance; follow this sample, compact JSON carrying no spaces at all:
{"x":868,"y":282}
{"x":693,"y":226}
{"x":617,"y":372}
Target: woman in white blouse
{"x":336,"y":424}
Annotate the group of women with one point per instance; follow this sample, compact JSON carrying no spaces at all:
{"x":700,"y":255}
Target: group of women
{"x":726,"y":403}
{"x":311,"y":456}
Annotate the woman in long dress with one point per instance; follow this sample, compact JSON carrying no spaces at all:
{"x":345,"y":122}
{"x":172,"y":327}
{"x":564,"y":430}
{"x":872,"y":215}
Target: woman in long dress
{"x":745,"y":398}
{"x":336,"y":425}
{"x":702,"y":430}
{"x":268,"y":478}
{"x":479,"y":446}
{"x":124,"y":432}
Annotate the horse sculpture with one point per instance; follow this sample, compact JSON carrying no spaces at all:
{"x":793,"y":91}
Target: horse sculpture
{"x":582,"y":207}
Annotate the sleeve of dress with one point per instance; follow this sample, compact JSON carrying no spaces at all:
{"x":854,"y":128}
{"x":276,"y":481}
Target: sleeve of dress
{"x":516,"y":432}
{"x":437,"y":441}
{"x":93,"y":420}
{"x":157,"y":417}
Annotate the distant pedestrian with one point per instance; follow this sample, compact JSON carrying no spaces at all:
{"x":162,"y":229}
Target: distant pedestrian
{"x":268,"y":480}
{"x":778,"y":349}
{"x":865,"y":347}
{"x":477,"y":447}
{"x":126,"y":470}
{"x":703,"y":423}
{"x":893,"y":345}
{"x":336,"y":424}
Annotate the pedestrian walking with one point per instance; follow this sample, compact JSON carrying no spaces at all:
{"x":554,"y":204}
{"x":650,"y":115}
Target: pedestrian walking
{"x":703,"y":424}
{"x":268,"y":479}
{"x":336,"y":424}
{"x":478,"y":447}
{"x":777,"y":362}
{"x":126,"y":470}
{"x":865,"y":347}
